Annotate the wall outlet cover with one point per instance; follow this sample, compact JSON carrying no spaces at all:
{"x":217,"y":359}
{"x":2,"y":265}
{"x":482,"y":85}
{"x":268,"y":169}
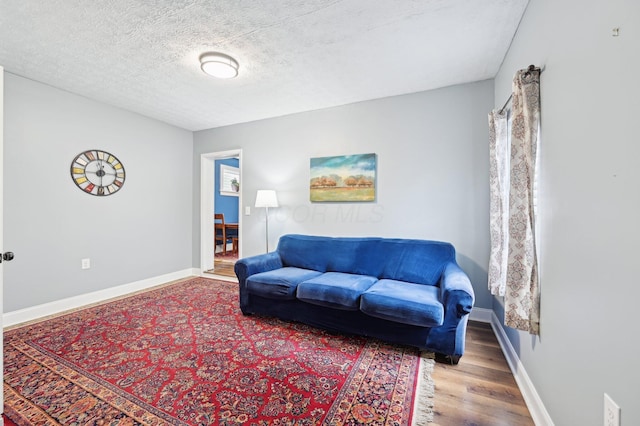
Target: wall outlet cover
{"x":86,"y":263}
{"x":611,"y":412}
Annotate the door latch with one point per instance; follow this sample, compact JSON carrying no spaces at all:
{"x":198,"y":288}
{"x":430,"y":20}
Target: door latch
{"x":7,"y":256}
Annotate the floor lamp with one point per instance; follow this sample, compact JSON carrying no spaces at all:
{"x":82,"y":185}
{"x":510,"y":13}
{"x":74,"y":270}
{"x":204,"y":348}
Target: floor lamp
{"x":266,"y":198}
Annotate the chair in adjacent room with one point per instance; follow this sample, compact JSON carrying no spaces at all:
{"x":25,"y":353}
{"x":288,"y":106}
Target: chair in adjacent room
{"x":220,"y":231}
{"x":231,"y":232}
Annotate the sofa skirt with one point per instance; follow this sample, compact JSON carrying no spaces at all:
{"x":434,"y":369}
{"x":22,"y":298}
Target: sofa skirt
{"x":341,"y":321}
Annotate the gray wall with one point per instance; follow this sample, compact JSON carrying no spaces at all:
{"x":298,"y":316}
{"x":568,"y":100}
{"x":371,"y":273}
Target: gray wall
{"x":142,"y":231}
{"x":590,"y":197}
{"x":431,"y":178}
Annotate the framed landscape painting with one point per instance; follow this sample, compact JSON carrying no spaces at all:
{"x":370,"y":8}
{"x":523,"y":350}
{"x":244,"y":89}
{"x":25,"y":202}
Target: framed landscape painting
{"x":343,"y":178}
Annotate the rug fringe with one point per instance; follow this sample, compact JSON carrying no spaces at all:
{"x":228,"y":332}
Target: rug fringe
{"x":425,"y":391}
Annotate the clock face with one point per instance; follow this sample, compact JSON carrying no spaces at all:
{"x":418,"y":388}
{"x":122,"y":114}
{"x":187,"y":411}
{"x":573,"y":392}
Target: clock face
{"x":97,"y":172}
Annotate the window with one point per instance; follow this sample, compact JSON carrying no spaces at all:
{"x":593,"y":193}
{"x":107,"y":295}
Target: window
{"x":229,"y":180}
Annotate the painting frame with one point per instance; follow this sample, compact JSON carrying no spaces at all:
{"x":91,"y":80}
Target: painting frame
{"x":343,"y":178}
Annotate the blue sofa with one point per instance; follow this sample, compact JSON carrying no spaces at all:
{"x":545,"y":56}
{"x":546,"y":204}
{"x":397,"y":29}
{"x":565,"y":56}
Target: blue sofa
{"x":404,"y":291}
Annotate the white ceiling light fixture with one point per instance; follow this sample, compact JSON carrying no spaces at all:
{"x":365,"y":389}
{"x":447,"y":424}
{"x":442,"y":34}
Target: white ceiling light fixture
{"x":218,"y":65}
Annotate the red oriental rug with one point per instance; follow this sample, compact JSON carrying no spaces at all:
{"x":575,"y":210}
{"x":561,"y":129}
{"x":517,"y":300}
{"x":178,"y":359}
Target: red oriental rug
{"x":228,"y":256}
{"x":183,"y":354}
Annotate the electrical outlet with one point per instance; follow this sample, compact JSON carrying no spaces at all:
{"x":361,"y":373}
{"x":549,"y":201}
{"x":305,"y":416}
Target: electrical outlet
{"x":86,"y":263}
{"x":247,"y":210}
{"x":611,"y":412}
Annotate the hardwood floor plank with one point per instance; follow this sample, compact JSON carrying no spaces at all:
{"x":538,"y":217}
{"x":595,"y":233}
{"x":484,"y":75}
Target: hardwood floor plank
{"x":480,"y":390}
{"x":224,"y":267}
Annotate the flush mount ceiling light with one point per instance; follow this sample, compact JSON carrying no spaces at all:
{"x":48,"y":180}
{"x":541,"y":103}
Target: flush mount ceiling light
{"x":218,"y":65}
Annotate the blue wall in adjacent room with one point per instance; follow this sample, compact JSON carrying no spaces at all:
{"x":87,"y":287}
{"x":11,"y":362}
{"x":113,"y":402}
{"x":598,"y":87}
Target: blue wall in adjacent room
{"x":227,"y":204}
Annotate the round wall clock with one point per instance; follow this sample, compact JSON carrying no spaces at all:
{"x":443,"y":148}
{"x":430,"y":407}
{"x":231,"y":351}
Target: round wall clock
{"x":97,"y":172}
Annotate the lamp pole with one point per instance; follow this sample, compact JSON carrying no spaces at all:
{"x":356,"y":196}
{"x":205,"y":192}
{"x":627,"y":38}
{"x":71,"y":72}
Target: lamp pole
{"x":266,"y":198}
{"x":266,"y":217}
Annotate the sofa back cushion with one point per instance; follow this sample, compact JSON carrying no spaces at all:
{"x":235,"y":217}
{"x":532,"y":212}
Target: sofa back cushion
{"x":416,"y":261}
{"x":330,"y":254}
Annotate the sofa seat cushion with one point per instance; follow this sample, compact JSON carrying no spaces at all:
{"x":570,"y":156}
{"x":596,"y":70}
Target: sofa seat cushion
{"x":279,"y":283}
{"x":335,"y":290}
{"x":404,"y":302}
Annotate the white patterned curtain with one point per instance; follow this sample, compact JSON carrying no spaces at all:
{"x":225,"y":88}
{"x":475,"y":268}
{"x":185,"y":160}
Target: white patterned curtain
{"x":521,"y":288}
{"x":499,"y":202}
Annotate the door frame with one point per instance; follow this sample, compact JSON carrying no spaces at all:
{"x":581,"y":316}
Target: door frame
{"x":207,"y":204}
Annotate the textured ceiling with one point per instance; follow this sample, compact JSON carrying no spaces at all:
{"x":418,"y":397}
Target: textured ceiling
{"x":294,"y":55}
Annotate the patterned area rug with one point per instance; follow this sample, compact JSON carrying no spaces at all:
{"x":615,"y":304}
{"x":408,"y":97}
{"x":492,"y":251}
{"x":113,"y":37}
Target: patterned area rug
{"x":228,"y":256}
{"x":184,"y":354}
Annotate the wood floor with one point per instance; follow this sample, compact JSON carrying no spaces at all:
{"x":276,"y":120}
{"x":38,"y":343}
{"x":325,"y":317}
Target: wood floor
{"x":223,"y":268}
{"x":480,"y":390}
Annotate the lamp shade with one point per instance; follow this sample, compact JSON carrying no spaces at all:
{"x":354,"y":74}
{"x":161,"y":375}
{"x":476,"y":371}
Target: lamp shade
{"x":266,"y":198}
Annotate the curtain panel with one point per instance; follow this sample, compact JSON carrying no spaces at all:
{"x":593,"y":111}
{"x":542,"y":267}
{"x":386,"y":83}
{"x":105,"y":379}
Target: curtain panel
{"x":519,"y":281}
{"x":499,"y":201}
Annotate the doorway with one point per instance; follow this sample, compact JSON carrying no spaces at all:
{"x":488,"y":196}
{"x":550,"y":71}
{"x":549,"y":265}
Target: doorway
{"x":220,"y":183}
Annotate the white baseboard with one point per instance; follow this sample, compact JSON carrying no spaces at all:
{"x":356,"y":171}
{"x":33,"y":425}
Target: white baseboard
{"x":58,"y":306}
{"x":537,"y":409}
{"x":481,"y":315}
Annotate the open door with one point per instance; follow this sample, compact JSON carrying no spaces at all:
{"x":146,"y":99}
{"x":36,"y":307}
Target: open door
{"x":4,"y":256}
{"x":1,"y":245}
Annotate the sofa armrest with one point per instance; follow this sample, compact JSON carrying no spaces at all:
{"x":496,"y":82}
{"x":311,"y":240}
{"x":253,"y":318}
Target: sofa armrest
{"x":457,"y":296}
{"x":248,"y":266}
{"x":456,"y":291}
